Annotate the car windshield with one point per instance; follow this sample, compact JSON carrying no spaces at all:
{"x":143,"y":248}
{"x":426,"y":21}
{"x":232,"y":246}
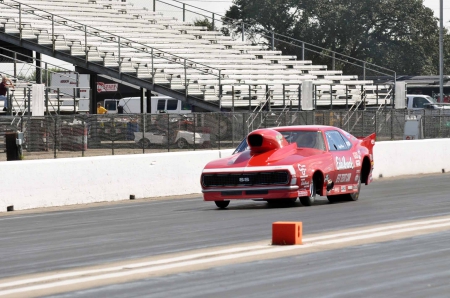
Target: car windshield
{"x":303,"y":138}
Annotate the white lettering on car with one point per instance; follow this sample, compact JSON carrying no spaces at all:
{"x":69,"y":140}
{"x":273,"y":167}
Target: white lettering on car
{"x":302,"y":169}
{"x":343,"y":164}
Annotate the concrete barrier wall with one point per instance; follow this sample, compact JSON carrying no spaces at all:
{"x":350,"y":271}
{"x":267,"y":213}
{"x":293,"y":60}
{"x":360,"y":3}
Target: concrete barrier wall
{"x":399,"y":158}
{"x":59,"y":182}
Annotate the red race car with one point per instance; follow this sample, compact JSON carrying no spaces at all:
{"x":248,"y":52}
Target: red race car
{"x":286,"y":163}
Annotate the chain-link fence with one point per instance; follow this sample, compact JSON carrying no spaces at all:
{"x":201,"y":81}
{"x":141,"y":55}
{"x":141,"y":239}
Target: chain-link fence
{"x":95,"y":135}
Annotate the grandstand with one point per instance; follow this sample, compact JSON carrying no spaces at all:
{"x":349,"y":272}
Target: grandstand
{"x":203,"y":67}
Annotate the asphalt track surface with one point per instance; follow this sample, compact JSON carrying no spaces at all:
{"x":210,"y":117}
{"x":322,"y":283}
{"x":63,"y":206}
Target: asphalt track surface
{"x":415,"y":267}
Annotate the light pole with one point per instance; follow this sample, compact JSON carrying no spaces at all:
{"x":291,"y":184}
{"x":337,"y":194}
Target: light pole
{"x":441,"y":53}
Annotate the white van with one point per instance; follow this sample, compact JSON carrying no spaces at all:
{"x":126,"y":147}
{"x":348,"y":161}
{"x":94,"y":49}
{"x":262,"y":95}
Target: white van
{"x":159,"y":104}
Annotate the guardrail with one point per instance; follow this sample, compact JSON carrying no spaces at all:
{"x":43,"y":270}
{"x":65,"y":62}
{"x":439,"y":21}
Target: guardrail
{"x":93,"y":135}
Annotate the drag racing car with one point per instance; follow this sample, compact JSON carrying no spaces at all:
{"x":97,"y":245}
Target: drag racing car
{"x":286,"y":163}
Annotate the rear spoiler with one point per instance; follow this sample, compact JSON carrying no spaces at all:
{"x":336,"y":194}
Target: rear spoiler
{"x":369,"y":142}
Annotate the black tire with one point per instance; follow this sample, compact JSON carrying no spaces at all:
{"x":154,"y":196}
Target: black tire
{"x":308,"y":201}
{"x":182,"y":143}
{"x":144,"y":143}
{"x":334,"y":199}
{"x":353,"y":196}
{"x":222,"y":204}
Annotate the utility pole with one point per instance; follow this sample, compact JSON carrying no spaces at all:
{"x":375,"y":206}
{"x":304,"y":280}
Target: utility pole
{"x":441,"y":53}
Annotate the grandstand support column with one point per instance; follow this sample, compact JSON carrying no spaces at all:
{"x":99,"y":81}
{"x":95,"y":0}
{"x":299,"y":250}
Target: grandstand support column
{"x":38,"y":68}
{"x":220,"y":90}
{"x":300,"y":97}
{"x":331,"y":96}
{"x":118,"y":56}
{"x":284,"y":96}
{"x":232,"y":98}
{"x":47,"y":79}
{"x":20,"y":21}
{"x":346,"y":97}
{"x":249,"y":98}
{"x":53,"y":33}
{"x":142,"y":96}
{"x":186,"y":84}
{"x":86,"y":53}
{"x":15,"y":64}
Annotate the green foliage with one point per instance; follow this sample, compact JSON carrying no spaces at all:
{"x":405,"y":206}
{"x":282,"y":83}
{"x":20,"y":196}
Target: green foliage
{"x":402,"y":35}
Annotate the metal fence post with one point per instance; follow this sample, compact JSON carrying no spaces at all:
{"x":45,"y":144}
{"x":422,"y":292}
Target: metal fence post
{"x":273,"y":40}
{"x":184,"y":12}
{"x":303,"y":50}
{"x":120,"y":64}
{"x":213,"y":21}
{"x":112,"y":135}
{"x":82,"y":138}
{"x":242,"y":31}
{"x":55,"y":137}
{"x":20,"y":21}
{"x":58,"y":99}
{"x":154,"y":5}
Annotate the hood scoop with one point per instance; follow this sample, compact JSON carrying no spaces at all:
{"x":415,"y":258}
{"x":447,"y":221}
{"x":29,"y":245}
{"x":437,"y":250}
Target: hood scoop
{"x":264,"y":140}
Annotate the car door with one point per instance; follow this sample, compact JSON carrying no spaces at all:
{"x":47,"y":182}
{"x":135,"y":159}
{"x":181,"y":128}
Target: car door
{"x":344,"y":161}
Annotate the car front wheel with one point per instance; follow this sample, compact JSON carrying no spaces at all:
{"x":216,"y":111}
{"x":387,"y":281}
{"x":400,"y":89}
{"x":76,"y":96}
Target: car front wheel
{"x":308,"y":201}
{"x":222,"y":204}
{"x":353,"y":196}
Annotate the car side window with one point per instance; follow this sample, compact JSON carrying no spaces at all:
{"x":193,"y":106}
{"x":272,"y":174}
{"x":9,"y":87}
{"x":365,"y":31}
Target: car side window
{"x":161,"y":106}
{"x":336,"y":141}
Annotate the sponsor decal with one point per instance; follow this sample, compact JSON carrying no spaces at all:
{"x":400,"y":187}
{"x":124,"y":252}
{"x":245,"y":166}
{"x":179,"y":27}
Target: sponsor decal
{"x":302,"y":169}
{"x":343,"y":164}
{"x":336,"y":189}
{"x":350,"y":187}
{"x":304,"y":183}
{"x":302,"y":193}
{"x":356,"y":155}
{"x":342,"y":178}
{"x":102,"y":87}
{"x":356,"y":178}
{"x":358,"y":163}
{"x":372,"y":142}
{"x":342,"y":188}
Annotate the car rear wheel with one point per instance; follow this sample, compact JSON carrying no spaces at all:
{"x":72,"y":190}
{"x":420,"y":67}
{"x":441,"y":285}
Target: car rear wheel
{"x":182,"y":143}
{"x":144,"y":143}
{"x":353,"y":196}
{"x":222,"y":204}
{"x":308,"y":201}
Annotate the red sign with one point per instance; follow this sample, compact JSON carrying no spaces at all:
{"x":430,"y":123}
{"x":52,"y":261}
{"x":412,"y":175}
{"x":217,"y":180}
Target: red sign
{"x":102,"y":87}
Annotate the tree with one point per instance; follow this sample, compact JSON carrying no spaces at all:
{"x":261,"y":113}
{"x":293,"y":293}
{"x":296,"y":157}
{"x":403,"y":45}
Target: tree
{"x":401,"y":35}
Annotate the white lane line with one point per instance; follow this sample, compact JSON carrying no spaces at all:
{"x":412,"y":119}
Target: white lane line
{"x":129,"y":266}
{"x":370,"y":230}
{"x":231,"y":254}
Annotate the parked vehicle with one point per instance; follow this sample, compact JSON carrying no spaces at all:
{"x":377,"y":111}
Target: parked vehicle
{"x":159,"y":104}
{"x":419,"y":102}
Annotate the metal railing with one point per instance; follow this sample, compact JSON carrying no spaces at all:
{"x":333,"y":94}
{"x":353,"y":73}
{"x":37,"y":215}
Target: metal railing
{"x":60,"y":136}
{"x":112,"y":58}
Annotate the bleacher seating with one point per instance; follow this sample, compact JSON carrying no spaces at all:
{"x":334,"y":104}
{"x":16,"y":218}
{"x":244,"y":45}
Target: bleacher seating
{"x":155,"y":47}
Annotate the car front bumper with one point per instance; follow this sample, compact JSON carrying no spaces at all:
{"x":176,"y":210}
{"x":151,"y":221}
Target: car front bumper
{"x":251,"y":193}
